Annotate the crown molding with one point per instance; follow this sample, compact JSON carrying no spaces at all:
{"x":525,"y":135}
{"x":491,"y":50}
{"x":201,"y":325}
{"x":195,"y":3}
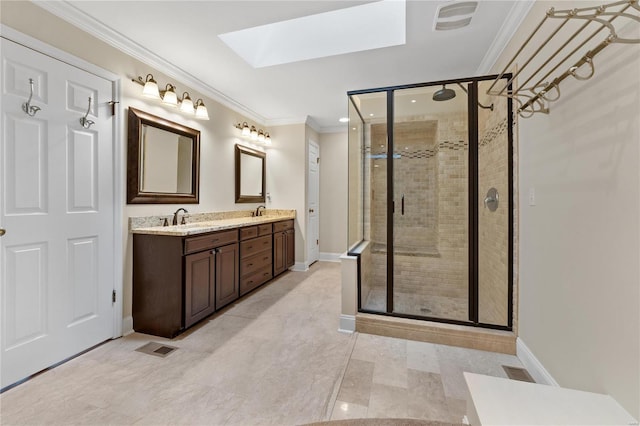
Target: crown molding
{"x":335,"y":129}
{"x":285,"y":121}
{"x":88,"y":24}
{"x":513,"y":20}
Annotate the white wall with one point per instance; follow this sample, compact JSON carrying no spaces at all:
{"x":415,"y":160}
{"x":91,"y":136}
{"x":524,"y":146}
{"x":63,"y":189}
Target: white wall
{"x":580,"y":244}
{"x":333,"y":192}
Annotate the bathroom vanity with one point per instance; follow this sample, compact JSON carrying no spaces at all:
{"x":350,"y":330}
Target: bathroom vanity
{"x":184,"y":273}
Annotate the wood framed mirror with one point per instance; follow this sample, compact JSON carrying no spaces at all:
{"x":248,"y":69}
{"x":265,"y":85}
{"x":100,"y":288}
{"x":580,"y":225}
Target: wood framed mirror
{"x":163,"y":161}
{"x":250,"y":175}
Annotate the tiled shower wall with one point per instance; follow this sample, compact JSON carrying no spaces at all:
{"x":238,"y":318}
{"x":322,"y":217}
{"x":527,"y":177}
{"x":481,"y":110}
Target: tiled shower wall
{"x":430,"y":168}
{"x":493,"y":227}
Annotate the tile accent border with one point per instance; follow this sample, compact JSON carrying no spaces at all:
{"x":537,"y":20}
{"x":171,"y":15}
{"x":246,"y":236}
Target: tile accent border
{"x":533,"y":365}
{"x":440,"y":333}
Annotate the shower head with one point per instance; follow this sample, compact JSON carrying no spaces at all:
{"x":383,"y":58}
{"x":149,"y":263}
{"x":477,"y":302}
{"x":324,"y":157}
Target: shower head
{"x":444,"y":94}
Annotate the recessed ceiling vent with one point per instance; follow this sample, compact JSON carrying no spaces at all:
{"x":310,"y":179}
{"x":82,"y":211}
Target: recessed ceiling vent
{"x":454,"y":16}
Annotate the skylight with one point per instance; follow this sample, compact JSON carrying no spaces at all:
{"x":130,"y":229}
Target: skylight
{"x":347,"y":30}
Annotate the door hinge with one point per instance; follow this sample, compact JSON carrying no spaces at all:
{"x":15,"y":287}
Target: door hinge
{"x":318,"y":160}
{"x":113,"y":297}
{"x":317,"y":242}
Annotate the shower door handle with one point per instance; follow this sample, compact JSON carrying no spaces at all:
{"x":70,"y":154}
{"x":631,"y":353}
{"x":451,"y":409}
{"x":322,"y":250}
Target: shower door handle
{"x":402,"y":204}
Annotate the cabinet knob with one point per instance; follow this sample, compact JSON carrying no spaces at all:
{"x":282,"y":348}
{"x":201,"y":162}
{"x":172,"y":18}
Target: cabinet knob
{"x":2,"y":231}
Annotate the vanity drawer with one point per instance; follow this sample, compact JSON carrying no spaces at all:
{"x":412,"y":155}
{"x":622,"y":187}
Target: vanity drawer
{"x":257,"y":261}
{"x":248,"y":232}
{"x":283,"y":226}
{"x":209,"y":241}
{"x":264,"y":229}
{"x":254,"y":280}
{"x":248,"y":248}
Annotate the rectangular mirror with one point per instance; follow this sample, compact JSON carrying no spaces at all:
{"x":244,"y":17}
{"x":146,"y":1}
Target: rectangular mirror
{"x":163,"y":161}
{"x":250,"y":175}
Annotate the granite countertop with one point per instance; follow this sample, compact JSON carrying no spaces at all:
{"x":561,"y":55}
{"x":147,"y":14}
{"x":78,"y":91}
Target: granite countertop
{"x":210,"y":225}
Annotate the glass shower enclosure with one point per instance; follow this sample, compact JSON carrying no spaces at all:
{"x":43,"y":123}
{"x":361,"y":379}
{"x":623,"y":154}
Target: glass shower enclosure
{"x":430,"y":201}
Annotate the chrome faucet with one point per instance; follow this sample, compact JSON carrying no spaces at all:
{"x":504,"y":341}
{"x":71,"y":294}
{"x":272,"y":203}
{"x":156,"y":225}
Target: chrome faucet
{"x":175,"y":216}
{"x":258,"y":212}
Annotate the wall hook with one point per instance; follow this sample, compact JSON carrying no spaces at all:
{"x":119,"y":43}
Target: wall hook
{"x":84,"y":121}
{"x":29,"y":109}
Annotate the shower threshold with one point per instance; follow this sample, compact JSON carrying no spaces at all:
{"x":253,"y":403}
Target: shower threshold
{"x":440,"y":333}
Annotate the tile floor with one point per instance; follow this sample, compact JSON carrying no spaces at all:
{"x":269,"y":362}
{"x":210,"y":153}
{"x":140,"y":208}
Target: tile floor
{"x":274,"y":358}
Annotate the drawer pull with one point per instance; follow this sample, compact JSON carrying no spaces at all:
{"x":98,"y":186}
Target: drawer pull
{"x":250,"y":265}
{"x":265,"y":258}
{"x":250,"y":282}
{"x":266,"y":274}
{"x":249,"y":247}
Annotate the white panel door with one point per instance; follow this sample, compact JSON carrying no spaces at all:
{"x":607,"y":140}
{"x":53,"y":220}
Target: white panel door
{"x":313,"y":195}
{"x":56,"y":258}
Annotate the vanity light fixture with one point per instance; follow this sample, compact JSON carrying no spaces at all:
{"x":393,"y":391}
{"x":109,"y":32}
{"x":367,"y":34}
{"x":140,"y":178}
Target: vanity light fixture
{"x":150,"y":89}
{"x":201,"y":110}
{"x":170,"y":98}
{"x":186,"y":105}
{"x":252,"y":133}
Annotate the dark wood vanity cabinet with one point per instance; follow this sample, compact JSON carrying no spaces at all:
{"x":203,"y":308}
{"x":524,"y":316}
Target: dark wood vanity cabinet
{"x":178,"y":281}
{"x":256,"y":256}
{"x":284,"y":251}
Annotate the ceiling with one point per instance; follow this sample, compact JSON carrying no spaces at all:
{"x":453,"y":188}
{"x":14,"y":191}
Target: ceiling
{"x":181,"y":38}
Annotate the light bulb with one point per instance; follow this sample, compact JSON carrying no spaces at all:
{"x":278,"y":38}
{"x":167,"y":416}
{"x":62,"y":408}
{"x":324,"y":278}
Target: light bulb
{"x":187,"y":104}
{"x":170,"y":98}
{"x":201,"y":110}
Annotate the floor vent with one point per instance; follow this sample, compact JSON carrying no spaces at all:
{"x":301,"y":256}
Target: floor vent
{"x":516,"y":373}
{"x":156,"y":349}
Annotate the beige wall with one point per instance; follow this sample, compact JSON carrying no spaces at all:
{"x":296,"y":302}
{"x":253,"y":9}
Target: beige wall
{"x":285,"y":168}
{"x":333,"y":192}
{"x":580,"y":244}
{"x":286,"y":177}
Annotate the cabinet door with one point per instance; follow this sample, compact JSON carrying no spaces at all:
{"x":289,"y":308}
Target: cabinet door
{"x":290,"y":245}
{"x":200,"y":272}
{"x":227,"y":280}
{"x":279,"y":265}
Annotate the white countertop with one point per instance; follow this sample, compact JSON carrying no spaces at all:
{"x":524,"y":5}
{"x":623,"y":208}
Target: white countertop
{"x":498,"y":401}
{"x":209,"y":226}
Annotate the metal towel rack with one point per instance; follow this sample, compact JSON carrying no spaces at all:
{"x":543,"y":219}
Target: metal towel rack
{"x":589,"y":29}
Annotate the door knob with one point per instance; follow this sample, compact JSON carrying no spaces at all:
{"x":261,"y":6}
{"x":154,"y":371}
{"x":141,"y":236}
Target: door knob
{"x":2,"y":232}
{"x":310,"y":210}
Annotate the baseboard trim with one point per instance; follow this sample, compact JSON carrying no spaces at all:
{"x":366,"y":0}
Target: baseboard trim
{"x":300,"y":267}
{"x":330,"y":257}
{"x":127,"y":325}
{"x":347,"y":324}
{"x":533,"y":365}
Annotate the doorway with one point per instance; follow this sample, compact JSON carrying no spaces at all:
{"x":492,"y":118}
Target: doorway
{"x":313,"y":194}
{"x":59,"y":210}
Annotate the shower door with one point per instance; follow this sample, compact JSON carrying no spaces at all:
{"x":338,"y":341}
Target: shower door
{"x":430,"y":194}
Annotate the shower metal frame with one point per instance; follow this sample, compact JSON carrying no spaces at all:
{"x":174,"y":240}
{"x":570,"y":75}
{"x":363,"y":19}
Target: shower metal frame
{"x":473,"y":178}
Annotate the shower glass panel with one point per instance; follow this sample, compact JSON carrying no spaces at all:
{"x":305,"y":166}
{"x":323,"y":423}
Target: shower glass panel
{"x":430,"y":188}
{"x":430,"y":201}
{"x":370,"y":109}
{"x":493,"y":209}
